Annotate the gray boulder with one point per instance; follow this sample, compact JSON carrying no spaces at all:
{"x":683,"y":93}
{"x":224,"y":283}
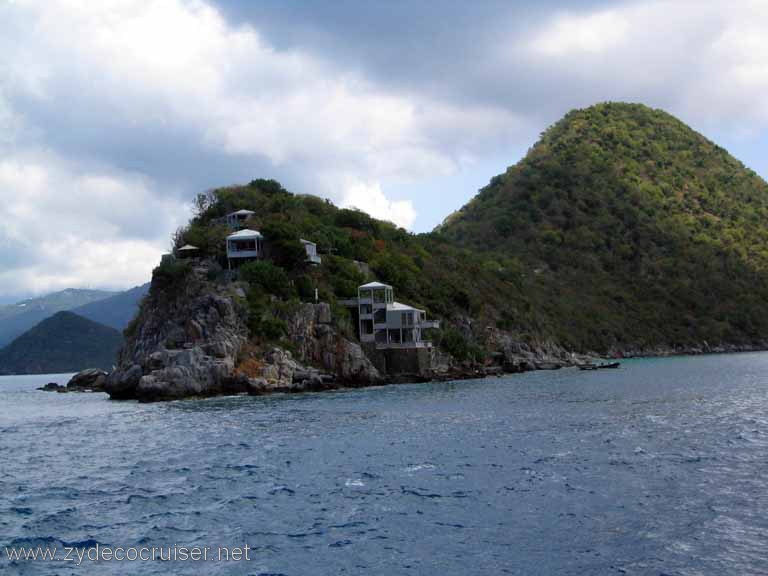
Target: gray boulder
{"x":92,"y":379}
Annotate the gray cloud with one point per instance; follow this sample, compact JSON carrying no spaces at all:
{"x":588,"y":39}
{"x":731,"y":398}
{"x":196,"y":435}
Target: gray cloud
{"x":113,"y":115}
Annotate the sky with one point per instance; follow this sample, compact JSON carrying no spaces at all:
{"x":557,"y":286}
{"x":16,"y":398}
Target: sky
{"x":114,"y":114}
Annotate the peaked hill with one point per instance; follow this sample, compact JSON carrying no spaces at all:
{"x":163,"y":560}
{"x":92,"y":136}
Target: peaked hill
{"x":633,"y":231}
{"x":15,"y":319}
{"x":65,"y":342}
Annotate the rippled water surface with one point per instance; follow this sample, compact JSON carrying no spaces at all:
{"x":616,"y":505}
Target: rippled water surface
{"x":660,"y":467}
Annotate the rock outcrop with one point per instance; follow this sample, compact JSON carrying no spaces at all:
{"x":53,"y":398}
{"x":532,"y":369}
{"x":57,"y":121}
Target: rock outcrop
{"x":89,"y":380}
{"x":92,"y":379}
{"x":53,"y":387}
{"x":319,"y":343}
{"x":190,"y":340}
{"x":513,"y":353}
{"x":184,"y":342}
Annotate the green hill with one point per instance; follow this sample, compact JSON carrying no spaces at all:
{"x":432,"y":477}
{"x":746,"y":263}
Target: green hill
{"x":65,"y":342}
{"x":15,"y":319}
{"x":632,"y":229}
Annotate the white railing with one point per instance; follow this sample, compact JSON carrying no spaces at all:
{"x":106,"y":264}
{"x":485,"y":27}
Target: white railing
{"x":242,"y":254}
{"x":404,"y":345}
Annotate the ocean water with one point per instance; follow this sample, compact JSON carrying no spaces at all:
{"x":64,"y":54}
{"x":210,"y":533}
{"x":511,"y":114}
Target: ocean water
{"x":660,"y":467}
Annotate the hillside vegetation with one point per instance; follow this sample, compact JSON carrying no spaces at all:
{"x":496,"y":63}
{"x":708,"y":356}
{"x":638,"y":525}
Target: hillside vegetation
{"x":633,"y":230}
{"x":450,"y":282}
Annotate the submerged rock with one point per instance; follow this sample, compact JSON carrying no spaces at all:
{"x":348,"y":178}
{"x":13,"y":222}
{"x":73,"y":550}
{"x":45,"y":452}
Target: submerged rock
{"x":53,"y":387}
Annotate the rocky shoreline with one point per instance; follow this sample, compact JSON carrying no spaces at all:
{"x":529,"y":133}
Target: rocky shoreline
{"x":289,"y":376}
{"x":193,"y":341}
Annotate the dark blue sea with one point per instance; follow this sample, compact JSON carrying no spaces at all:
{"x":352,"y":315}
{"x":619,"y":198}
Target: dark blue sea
{"x":660,"y":467}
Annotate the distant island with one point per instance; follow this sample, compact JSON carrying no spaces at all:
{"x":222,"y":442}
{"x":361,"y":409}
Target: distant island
{"x":65,"y":342}
{"x":622,"y":232}
{"x":35,"y":339}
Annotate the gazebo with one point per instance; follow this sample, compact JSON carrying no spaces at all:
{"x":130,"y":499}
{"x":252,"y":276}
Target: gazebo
{"x":188,"y":251}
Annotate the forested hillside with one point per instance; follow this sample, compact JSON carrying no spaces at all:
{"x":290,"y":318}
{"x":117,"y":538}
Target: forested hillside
{"x":631,"y":230}
{"x":451,"y":283}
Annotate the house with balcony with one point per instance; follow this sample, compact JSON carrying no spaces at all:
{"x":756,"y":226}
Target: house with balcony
{"x":311,"y":249}
{"x":390,"y":324}
{"x":236,"y":220}
{"x":244,"y":246}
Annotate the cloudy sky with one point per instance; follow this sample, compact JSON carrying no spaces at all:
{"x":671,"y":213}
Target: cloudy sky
{"x":113,"y":114}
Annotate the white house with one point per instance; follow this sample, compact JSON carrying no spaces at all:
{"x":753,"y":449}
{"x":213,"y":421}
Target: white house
{"x":311,"y":249}
{"x":244,"y":246}
{"x":236,"y":220}
{"x":387,"y":323}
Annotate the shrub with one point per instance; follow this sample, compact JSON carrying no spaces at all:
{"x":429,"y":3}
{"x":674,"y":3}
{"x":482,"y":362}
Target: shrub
{"x":453,"y":342}
{"x":268,"y":277}
{"x":284,"y":245}
{"x":305,"y":288}
{"x":353,"y":218}
{"x":267,"y":186}
{"x":169,"y":276}
{"x":262,"y":322}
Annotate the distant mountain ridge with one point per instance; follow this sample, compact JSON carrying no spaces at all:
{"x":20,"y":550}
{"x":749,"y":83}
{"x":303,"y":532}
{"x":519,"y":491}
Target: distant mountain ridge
{"x":65,"y":342}
{"x":116,"y":311}
{"x":16,"y":319}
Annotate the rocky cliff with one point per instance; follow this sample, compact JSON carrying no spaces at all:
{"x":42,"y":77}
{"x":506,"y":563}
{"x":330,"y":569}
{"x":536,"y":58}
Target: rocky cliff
{"x":191,"y":338}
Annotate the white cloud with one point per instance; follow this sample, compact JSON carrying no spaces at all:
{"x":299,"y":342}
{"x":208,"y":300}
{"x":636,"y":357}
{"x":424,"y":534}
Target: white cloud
{"x":61,"y":227}
{"x":368,"y":197}
{"x":181,"y":64}
{"x":570,"y":34}
{"x":705,"y":61}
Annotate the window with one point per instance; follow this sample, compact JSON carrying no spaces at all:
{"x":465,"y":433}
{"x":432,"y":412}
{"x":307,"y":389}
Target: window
{"x":378,"y":296}
{"x":394,"y":336}
{"x":244,"y":246}
{"x":366,"y":309}
{"x":380,"y":316}
{"x":366,"y":294}
{"x":366,"y":327}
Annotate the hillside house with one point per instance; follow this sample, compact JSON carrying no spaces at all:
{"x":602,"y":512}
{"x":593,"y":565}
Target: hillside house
{"x":244,"y":246}
{"x":236,"y":220}
{"x":311,"y":249}
{"x":387,"y":323}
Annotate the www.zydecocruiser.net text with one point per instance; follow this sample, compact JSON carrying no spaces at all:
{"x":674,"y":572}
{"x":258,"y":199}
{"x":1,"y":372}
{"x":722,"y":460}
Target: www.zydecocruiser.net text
{"x":99,"y":553}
